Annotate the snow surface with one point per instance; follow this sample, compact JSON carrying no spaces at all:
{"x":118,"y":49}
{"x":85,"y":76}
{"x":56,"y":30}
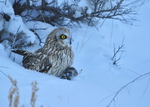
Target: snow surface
{"x":16,"y":25}
{"x":98,"y":78}
{"x":6,"y":7}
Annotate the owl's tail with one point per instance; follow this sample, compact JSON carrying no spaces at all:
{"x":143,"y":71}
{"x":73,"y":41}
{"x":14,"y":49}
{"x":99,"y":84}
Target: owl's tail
{"x":21,"y":52}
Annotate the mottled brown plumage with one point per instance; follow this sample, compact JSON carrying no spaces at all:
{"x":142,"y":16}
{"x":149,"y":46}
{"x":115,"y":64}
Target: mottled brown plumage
{"x":54,"y":57}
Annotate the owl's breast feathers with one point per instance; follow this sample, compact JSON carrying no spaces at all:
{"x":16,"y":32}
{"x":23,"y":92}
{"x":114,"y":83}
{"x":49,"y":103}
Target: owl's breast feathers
{"x":60,"y":59}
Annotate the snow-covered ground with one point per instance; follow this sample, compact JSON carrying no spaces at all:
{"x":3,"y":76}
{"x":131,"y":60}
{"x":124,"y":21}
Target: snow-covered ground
{"x":98,"y":79}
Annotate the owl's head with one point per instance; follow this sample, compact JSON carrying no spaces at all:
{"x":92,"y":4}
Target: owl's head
{"x":61,"y":36}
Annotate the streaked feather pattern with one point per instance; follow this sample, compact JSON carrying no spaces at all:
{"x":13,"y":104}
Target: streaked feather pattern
{"x":54,"y":57}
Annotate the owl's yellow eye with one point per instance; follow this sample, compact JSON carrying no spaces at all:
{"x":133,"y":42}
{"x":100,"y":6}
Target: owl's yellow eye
{"x":63,"y":36}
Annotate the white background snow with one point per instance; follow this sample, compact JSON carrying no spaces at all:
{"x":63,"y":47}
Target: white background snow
{"x":98,"y":79}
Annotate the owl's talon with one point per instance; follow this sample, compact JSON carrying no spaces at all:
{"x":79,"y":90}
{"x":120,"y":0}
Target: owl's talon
{"x":69,"y":73}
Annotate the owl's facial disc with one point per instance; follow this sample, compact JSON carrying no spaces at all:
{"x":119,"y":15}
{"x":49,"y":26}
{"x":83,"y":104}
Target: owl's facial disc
{"x":64,"y":38}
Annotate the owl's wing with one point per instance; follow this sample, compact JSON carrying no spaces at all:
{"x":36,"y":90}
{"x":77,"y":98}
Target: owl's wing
{"x":27,"y":57}
{"x":34,"y":61}
{"x":45,"y":65}
{"x":21,"y":52}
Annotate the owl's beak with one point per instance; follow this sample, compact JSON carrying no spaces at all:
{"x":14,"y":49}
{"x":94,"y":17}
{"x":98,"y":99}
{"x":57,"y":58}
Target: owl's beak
{"x":70,"y":42}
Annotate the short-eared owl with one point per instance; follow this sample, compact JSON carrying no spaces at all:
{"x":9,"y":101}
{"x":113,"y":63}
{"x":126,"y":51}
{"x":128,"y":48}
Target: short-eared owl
{"x":55,"y":57}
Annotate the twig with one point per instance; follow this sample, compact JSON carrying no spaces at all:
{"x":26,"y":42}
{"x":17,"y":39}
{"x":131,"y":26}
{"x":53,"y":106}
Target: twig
{"x":15,"y":36}
{"x":145,"y":88}
{"x":4,"y":74}
{"x":59,"y":14}
{"x":116,"y":52}
{"x":116,"y":94}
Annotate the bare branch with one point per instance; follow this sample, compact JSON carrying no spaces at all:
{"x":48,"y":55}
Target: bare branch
{"x":134,"y":80}
{"x":56,"y":15}
{"x":118,"y":51}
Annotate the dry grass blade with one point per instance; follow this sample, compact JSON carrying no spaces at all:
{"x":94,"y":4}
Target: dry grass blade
{"x":13,"y":93}
{"x":34,"y":96}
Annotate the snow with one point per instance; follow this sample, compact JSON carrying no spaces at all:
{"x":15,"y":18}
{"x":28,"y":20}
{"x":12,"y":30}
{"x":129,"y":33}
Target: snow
{"x":98,"y":78}
{"x":39,"y":28}
{"x":82,"y":3}
{"x":16,"y":25}
{"x":6,"y":7}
